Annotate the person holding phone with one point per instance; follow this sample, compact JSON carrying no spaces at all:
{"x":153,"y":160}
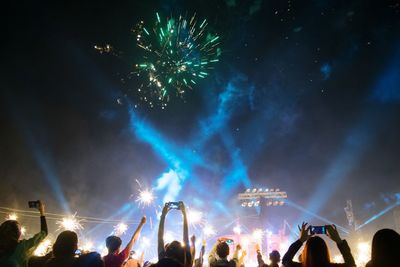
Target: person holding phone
{"x":16,"y":252}
{"x":316,"y":252}
{"x":174,"y":251}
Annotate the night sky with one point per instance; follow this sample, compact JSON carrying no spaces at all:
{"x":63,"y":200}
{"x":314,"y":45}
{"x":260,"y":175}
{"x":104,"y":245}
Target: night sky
{"x":305,"y":98}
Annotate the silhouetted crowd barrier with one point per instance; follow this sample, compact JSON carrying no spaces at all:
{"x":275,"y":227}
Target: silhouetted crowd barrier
{"x":385,"y":249}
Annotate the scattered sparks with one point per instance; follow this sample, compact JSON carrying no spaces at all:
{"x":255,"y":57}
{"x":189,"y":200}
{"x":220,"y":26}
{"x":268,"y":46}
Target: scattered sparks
{"x":43,"y":248}
{"x":12,"y":217}
{"x":70,"y":223}
{"x":146,"y":197}
{"x":120,"y":229}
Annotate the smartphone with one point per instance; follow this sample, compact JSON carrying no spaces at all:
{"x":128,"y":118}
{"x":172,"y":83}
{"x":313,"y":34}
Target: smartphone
{"x":318,"y":230}
{"x":174,"y":205}
{"x":78,"y":252}
{"x":33,"y":204}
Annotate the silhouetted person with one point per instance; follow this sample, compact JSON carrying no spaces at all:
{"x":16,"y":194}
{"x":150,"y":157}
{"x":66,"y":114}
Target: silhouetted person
{"x":91,"y":259}
{"x":16,"y":252}
{"x":218,"y":256}
{"x":316,"y":253}
{"x":174,"y":250}
{"x":385,"y":249}
{"x":64,"y":250}
{"x":115,"y":258}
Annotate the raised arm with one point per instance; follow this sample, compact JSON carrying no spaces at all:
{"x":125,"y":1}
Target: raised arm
{"x":193,"y":246}
{"x":259,"y":256}
{"x":342,"y":246}
{"x":211,"y":255}
{"x":161,"y":249}
{"x":188,"y":261}
{"x":43,"y":223}
{"x":135,"y":235}
{"x":287,"y":259}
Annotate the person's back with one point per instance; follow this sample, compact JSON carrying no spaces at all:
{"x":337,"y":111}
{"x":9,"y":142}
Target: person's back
{"x":218,"y":256}
{"x":64,"y":250}
{"x":115,"y":258}
{"x":385,"y":249}
{"x":16,"y":252}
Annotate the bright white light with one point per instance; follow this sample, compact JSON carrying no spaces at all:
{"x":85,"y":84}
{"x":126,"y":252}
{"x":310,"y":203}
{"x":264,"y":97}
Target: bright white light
{"x":237,"y":230}
{"x":69,"y":223}
{"x":209,"y":230}
{"x":145,"y":197}
{"x":169,"y":237}
{"x":363,"y":253}
{"x":87,"y":246}
{"x":23,"y":230}
{"x":120,"y":229}
{"x":12,"y":217}
{"x":257,"y":234}
{"x":194,"y":217}
{"x":338,"y":259}
{"x":43,"y":248}
{"x":145,"y":242}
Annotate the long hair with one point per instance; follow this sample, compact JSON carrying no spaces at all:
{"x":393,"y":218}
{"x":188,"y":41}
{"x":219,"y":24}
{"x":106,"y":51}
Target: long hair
{"x":10,"y":232}
{"x":315,"y":253}
{"x":385,"y":248}
{"x":66,"y":244}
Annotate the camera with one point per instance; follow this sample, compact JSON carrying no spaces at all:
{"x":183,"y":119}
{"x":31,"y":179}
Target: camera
{"x":33,"y":204}
{"x":229,"y":241}
{"x":318,"y":230}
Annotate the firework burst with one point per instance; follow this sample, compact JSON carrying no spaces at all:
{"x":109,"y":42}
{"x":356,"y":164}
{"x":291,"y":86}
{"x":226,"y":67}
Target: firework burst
{"x":178,"y":52}
{"x":70,"y":223}
{"x":120,"y":229}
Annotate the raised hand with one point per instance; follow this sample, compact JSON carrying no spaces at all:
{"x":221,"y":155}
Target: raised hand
{"x":143,"y":220}
{"x":304,"y":232}
{"x":333,"y":234}
{"x":193,"y":239}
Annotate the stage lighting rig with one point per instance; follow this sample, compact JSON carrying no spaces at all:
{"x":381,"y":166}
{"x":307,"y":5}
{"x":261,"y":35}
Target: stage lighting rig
{"x":259,"y":196}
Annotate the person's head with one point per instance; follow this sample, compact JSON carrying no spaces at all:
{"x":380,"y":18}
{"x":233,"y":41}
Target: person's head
{"x":113,"y":244}
{"x":222,"y":250}
{"x":274,"y":256}
{"x":384,"y":249}
{"x":10,"y":232}
{"x":315,"y":253}
{"x":66,"y":244}
{"x":91,"y":259}
{"x":175,"y":251}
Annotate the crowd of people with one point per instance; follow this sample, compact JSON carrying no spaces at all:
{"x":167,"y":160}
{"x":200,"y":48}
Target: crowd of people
{"x":14,"y":252}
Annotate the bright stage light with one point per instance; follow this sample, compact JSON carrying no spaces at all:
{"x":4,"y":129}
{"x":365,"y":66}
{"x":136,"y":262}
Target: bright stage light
{"x":43,"y":248}
{"x":12,"y":217}
{"x":145,"y":242}
{"x":69,"y":223}
{"x":120,"y":229}
{"x":363,"y":253}
{"x":87,"y":246}
{"x":169,"y":237}
{"x":209,"y":230}
{"x":146,"y":197}
{"x":23,"y":230}
{"x":257,"y":234}
{"x":237,"y":230}
{"x":194,"y":217}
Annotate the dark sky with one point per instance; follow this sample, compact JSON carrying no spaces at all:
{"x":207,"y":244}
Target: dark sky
{"x":306,"y":98}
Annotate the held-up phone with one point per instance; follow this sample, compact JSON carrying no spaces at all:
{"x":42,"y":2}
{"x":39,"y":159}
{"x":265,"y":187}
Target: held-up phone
{"x":174,"y":205}
{"x":318,"y":230}
{"x":33,"y":204}
{"x":78,"y":252}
